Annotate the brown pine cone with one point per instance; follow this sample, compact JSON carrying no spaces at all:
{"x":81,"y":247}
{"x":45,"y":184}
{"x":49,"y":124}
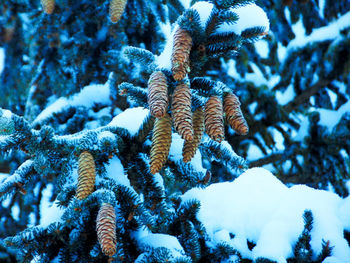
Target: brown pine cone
{"x":48,"y":6}
{"x":213,"y":119}
{"x":116,"y":9}
{"x":180,"y":58}
{"x":87,"y":175}
{"x":158,"y":94}
{"x":106,"y":229}
{"x":181,"y":111}
{"x":234,"y":114}
{"x":190,"y":147}
{"x":161,"y":141}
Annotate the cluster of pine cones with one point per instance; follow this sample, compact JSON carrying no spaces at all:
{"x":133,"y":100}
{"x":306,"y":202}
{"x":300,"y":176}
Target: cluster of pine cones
{"x":189,"y":125}
{"x":116,"y":8}
{"x":106,"y":217}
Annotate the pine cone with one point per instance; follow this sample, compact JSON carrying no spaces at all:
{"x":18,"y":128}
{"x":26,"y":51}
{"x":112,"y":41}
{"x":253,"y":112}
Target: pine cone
{"x":116,"y":9}
{"x":181,"y":111}
{"x":234,"y":114}
{"x":213,"y":119}
{"x":106,"y":229}
{"x":48,"y":6}
{"x":161,"y":141}
{"x":190,"y":147}
{"x":87,"y":175}
{"x":158,"y":94}
{"x":180,"y":58}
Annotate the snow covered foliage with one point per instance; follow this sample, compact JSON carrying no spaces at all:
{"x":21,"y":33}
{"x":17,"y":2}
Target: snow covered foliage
{"x":79,"y":133}
{"x":257,"y":208}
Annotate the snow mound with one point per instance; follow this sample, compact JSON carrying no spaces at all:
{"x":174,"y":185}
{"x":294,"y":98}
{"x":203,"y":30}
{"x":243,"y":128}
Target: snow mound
{"x":87,"y":97}
{"x":260,"y":208}
{"x":130,"y":119}
{"x":249,"y":16}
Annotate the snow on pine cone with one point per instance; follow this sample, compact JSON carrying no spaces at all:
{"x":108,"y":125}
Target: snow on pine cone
{"x":213,"y":119}
{"x":48,"y":6}
{"x":87,"y":175}
{"x":116,"y":9}
{"x":180,"y":58}
{"x":158,"y":94}
{"x":181,"y":111}
{"x":234,"y":115}
{"x":106,"y":229}
{"x":190,"y":147}
{"x":161,"y":141}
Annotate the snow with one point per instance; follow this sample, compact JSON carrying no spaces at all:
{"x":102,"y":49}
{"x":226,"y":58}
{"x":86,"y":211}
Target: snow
{"x":330,"y":118}
{"x":87,"y":97}
{"x":288,"y":95}
{"x":5,"y":113}
{"x":146,"y":239}
{"x":15,"y":210}
{"x":2,"y":60}
{"x":250,"y":16}
{"x":164,"y":59}
{"x":115,"y":171}
{"x":49,"y":211}
{"x":204,"y":9}
{"x":262,"y":48}
{"x":185,"y":3}
{"x":259,"y":208}
{"x":328,"y":32}
{"x":130,"y":119}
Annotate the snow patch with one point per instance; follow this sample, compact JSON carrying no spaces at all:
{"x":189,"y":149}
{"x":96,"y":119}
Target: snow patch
{"x":49,"y":211}
{"x":130,"y":119}
{"x":2,"y":60}
{"x":146,"y":238}
{"x":259,"y":208}
{"x":250,"y":16}
{"x":87,"y":97}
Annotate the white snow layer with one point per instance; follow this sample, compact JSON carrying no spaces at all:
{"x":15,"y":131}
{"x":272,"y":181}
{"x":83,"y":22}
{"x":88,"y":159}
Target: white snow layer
{"x":87,"y":97}
{"x":259,"y":208}
{"x":250,"y":16}
{"x":146,"y":238}
{"x":328,"y":32}
{"x":130,"y":119}
{"x":49,"y":212}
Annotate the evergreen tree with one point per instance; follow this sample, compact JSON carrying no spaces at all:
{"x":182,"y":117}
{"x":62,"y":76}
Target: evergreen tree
{"x":113,"y":109}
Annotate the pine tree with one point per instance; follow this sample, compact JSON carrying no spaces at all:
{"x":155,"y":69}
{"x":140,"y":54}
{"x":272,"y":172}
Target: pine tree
{"x":98,"y":98}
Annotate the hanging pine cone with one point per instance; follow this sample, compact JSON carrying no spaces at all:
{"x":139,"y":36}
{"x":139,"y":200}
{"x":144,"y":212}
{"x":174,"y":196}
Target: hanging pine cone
{"x":48,"y":6}
{"x":161,"y":141}
{"x":181,"y":111}
{"x":87,"y":175}
{"x":213,"y":119}
{"x":234,"y":114}
{"x":180,"y":58}
{"x":116,"y":9}
{"x":106,"y":229}
{"x":190,"y":147}
{"x":158,"y":94}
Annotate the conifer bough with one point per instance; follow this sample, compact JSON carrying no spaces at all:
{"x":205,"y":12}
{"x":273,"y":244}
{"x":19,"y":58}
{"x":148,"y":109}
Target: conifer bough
{"x":213,"y":119}
{"x":87,"y":175}
{"x":180,"y":58}
{"x":190,"y":147}
{"x":158,"y":94}
{"x":161,"y":141}
{"x":116,"y":9}
{"x":181,"y":111}
{"x":106,"y":229}
{"x":234,"y":115}
{"x":48,"y":6}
